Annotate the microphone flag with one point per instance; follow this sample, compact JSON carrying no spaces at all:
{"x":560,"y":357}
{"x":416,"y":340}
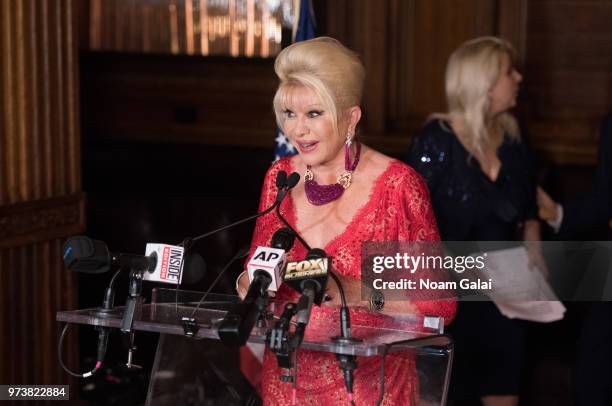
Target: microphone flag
{"x":271,"y":260}
{"x":169,"y":267}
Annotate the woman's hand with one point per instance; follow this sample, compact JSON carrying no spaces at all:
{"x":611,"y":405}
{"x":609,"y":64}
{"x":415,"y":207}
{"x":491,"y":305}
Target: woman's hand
{"x":242,"y":285}
{"x":536,"y":261}
{"x":533,"y":244}
{"x":547,"y":207}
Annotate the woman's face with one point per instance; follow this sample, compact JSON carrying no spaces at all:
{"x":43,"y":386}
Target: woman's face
{"x":309,"y":127}
{"x":504,"y":92}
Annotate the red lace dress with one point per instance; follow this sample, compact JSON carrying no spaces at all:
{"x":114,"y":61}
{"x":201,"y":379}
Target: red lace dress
{"x":397,"y":209}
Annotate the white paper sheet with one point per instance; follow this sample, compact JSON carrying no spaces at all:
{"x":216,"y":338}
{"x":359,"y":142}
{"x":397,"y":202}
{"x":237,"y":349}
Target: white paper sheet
{"x":518,"y":291}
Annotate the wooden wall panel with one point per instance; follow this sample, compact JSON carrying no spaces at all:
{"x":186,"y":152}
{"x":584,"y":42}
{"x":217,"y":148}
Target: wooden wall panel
{"x":438,"y":27}
{"x":564,"y":50}
{"x":35,"y":286}
{"x":178,"y":99}
{"x":39,"y":143}
{"x":568,"y":82}
{"x":404,"y":45}
{"x":41,"y":202}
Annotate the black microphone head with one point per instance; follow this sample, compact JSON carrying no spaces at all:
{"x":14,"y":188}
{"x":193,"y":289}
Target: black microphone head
{"x":194,"y":269}
{"x":283,"y":239}
{"x":281,"y":179}
{"x":315,"y":253}
{"x":82,"y":254}
{"x":293,"y":180}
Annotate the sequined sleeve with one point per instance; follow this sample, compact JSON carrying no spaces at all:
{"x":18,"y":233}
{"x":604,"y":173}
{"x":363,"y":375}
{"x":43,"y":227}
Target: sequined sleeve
{"x":429,"y":153}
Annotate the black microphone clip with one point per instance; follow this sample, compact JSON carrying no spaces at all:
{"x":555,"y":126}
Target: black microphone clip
{"x":190,"y":326}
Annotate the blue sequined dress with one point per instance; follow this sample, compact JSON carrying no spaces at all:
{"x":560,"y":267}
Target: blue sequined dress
{"x":471,"y":207}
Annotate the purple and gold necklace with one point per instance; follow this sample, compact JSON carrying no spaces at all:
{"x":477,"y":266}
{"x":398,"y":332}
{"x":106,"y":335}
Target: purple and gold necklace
{"x":323,"y":194}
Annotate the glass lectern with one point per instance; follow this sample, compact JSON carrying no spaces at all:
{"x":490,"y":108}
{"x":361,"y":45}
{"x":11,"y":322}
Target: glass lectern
{"x":200,"y":370}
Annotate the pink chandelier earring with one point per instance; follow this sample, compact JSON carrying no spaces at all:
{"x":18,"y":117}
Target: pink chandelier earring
{"x":324,"y":194}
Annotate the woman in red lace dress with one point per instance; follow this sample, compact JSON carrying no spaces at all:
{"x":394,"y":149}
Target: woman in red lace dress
{"x":317,"y":106}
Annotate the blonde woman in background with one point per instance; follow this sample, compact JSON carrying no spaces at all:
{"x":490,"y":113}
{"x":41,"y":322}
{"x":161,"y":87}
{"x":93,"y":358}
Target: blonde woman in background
{"x":482,"y":189}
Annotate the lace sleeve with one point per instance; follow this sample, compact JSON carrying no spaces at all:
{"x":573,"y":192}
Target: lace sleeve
{"x":419,"y":224}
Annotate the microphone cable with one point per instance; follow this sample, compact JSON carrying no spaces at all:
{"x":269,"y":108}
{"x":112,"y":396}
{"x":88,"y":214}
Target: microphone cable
{"x":347,"y":362}
{"x":295,"y":377}
{"x":297,"y":235}
{"x":101,"y":354}
{"x":293,"y":179}
{"x":102,"y":344}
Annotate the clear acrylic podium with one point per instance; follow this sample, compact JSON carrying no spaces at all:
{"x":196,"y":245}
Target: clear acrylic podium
{"x":200,"y":370}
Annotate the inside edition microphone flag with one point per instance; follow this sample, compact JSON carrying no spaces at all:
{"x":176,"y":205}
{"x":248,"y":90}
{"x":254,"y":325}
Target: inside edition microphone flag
{"x":304,"y":28}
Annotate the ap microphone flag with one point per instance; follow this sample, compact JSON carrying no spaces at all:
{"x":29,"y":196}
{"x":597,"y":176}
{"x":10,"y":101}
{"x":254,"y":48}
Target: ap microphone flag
{"x":169,"y":267}
{"x":271,"y":260}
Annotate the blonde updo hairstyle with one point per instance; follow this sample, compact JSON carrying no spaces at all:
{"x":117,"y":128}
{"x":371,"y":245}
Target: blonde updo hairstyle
{"x":327,"y":67}
{"x":471,"y":72}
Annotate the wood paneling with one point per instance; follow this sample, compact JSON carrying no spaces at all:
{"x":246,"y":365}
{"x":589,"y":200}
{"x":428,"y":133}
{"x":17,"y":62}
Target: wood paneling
{"x":404,"y":46}
{"x":174,"y":99}
{"x":568,"y":87}
{"x":41,"y":220}
{"x":35,"y":286}
{"x":564,"y":51}
{"x":40,"y":185}
{"x":39,"y":142}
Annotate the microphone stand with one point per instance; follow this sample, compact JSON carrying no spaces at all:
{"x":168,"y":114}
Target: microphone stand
{"x":132,"y":306}
{"x":237,"y":324}
{"x":282,"y":342}
{"x":133,"y":302}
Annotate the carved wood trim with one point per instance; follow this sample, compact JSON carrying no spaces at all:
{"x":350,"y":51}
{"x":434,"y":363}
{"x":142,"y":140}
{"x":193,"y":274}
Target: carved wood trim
{"x":41,"y":220}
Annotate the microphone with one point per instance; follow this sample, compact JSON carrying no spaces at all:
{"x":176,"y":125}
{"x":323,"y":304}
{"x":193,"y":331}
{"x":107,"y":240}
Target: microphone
{"x":311,"y":273}
{"x":82,"y":254}
{"x":290,"y":183}
{"x":265,"y":273}
{"x":281,"y":179}
{"x":272,"y":260}
{"x":283,"y":238}
{"x":309,"y":277}
{"x":236,"y":326}
{"x":304,"y":307}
